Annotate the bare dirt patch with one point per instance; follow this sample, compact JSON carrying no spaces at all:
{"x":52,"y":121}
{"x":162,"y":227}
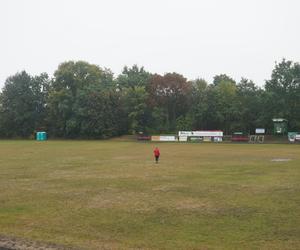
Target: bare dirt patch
{"x":11,"y":243}
{"x":280,"y":160}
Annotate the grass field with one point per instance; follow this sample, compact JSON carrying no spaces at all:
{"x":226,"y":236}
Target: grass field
{"x":111,"y":195}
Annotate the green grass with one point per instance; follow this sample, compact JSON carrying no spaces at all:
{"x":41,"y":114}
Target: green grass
{"x":111,"y":195}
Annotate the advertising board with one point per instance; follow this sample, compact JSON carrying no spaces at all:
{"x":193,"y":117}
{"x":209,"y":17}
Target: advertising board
{"x":207,"y":138}
{"x":211,"y":133}
{"x":155,"y":138}
{"x":260,"y":131}
{"x":167,"y":138}
{"x":217,"y":139}
{"x":195,"y":139}
{"x":183,"y":138}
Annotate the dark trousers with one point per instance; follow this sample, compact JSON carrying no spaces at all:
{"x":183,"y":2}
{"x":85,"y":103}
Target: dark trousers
{"x":156,"y":159}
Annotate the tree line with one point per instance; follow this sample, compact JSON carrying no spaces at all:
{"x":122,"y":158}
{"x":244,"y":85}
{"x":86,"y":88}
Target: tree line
{"x":82,"y":100}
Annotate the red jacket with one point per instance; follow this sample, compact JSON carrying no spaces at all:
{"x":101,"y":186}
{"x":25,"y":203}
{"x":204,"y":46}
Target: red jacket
{"x":156,"y":152}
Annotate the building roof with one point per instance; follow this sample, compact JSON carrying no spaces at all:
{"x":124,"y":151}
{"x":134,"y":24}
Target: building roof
{"x":279,"y":120}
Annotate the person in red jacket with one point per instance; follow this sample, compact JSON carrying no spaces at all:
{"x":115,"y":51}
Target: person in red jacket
{"x":156,"y":154}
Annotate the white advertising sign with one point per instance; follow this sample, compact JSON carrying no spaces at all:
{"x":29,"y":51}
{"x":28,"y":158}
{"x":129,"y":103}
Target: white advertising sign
{"x":218,"y":139}
{"x":297,"y":137}
{"x":155,"y":138}
{"x":207,"y":138}
{"x":183,"y":138}
{"x":201,"y":133}
{"x":260,"y":131}
{"x":167,"y":138}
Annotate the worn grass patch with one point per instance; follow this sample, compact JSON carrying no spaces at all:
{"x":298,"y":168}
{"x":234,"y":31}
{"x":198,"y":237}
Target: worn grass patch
{"x":111,"y":195}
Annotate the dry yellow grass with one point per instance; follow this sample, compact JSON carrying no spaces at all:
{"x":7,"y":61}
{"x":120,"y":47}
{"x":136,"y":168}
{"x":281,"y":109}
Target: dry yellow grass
{"x":111,"y":195}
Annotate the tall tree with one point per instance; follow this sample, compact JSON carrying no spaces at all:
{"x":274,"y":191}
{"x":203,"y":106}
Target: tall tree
{"x":222,"y":78}
{"x":137,"y":109}
{"x":171,"y":93}
{"x":132,"y":85}
{"x":284,"y":92}
{"x":23,"y":103}
{"x":98,"y":114}
{"x":198,"y":111}
{"x":73,"y":82}
{"x":226,"y":113}
{"x":133,"y":77}
{"x":250,"y":108}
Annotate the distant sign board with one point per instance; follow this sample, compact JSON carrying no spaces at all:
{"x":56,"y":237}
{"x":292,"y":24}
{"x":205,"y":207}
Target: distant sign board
{"x":195,"y":139}
{"x":183,"y":138}
{"x":260,"y":131}
{"x":214,"y":133}
{"x":207,"y":138}
{"x":167,"y":138}
{"x":144,"y":138}
{"x":155,"y":138}
{"x":217,"y":139}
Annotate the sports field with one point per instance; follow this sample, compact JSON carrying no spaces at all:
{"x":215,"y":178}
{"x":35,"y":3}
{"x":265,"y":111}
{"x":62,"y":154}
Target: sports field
{"x":111,"y":195}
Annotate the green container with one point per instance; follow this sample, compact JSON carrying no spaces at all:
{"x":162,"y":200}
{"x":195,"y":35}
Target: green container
{"x":41,"y":136}
{"x":280,"y":126}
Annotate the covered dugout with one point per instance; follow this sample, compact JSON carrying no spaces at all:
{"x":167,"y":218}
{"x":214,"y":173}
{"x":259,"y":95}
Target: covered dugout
{"x":280,"y":126}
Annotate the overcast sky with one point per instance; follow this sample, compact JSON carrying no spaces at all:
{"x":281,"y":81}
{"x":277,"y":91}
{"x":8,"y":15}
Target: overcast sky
{"x":197,"y":38}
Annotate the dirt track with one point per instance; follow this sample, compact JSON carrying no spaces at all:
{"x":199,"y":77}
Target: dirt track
{"x":9,"y":243}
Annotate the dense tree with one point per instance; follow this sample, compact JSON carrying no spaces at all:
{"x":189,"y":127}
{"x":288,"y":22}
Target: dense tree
{"x":132,"y":84}
{"x":133,"y":77}
{"x":283,"y":90}
{"x":73,"y":83}
{"x":224,"y":109}
{"x":23,"y":103}
{"x":222,"y":78}
{"x":136,"y":108}
{"x":172,"y":93}
{"x":249,"y":98}
{"x":198,"y":112}
{"x":83,"y":100}
{"x":98,"y":114}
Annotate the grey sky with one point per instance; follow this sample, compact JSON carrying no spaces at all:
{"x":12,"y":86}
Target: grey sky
{"x":194,"y":38}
